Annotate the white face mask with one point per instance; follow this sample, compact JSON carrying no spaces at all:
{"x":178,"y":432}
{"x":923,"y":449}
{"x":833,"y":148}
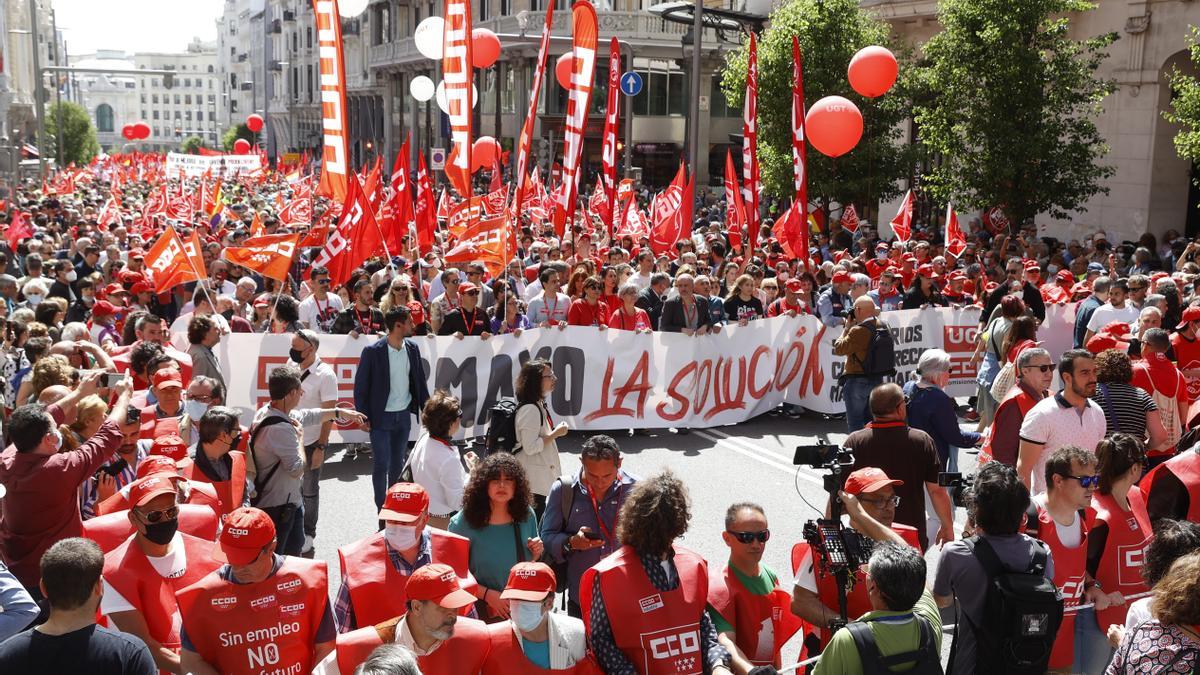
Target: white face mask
{"x":526,"y":615}
{"x":400,"y":537}
{"x":72,"y":276}
{"x":194,"y":409}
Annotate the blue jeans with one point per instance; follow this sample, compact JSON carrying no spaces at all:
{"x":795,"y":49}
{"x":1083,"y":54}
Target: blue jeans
{"x":389,"y":448}
{"x":1092,"y":651}
{"x":856,"y":394}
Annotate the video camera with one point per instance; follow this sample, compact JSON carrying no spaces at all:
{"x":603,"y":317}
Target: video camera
{"x":958,"y":484}
{"x":826,"y":456}
{"x":840,"y":550}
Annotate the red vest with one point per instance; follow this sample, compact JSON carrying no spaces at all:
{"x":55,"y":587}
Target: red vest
{"x":201,"y":493}
{"x":231,"y":492}
{"x":658,"y":631}
{"x":1024,"y":402}
{"x":150,"y":421}
{"x":111,"y":530}
{"x":751,"y":614}
{"x":249,"y":629}
{"x":377,"y":589}
{"x":463,"y":654}
{"x":1129,"y":534}
{"x":1186,"y":467}
{"x":129,"y":572}
{"x":1070,"y":568}
{"x":507,"y":657}
{"x":857,"y":602}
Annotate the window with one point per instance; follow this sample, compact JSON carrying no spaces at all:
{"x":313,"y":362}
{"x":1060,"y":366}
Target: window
{"x":187,"y":82}
{"x":187,"y":99}
{"x":505,"y":7}
{"x":104,"y":117}
{"x":664,"y":91}
{"x":719,"y":105}
{"x":483,"y":10}
{"x":176,"y":99}
{"x":155,"y":114}
{"x":177,"y":116}
{"x":308,"y":37}
{"x":188,"y":116}
{"x":143,"y":99}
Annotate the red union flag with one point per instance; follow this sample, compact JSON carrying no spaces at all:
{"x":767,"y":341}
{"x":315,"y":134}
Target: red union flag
{"x":799,"y":147}
{"x":168,"y":263}
{"x":750,"y":170}
{"x":608,"y":151}
{"x":494,"y":202}
{"x":398,"y":208}
{"x":334,"y":154}
{"x":352,"y":239}
{"x":902,"y":223}
{"x":667,"y":213}
{"x":483,"y":241}
{"x":423,"y":208}
{"x":850,"y":219}
{"x":456,"y":69}
{"x":956,"y":241}
{"x":579,"y":98}
{"x":192,"y":249}
{"x":297,"y":212}
{"x":735,"y":214}
{"x":526,"y":140}
{"x":270,"y":255}
{"x":466,"y":212}
{"x":599,"y":204}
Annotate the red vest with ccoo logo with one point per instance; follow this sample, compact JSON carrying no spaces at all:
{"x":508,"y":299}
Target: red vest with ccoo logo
{"x":857,"y":602}
{"x":507,"y":657}
{"x":111,"y":530}
{"x":129,"y":572}
{"x":1129,"y":534}
{"x":150,"y":422}
{"x":1024,"y":403}
{"x":1186,"y":467}
{"x":267,"y":627}
{"x":231,"y":492}
{"x":377,"y":589}
{"x":463,"y":654}
{"x":762,"y":623}
{"x":1070,"y":570}
{"x":658,"y":631}
{"x":201,"y":493}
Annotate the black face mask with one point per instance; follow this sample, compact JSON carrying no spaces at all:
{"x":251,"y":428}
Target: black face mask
{"x":228,"y":314}
{"x":162,"y":532}
{"x":296,"y":355}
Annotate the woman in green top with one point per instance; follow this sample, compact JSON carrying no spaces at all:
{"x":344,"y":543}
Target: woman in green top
{"x":497,"y":516}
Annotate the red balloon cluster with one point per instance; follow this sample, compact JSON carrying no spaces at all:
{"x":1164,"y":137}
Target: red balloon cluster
{"x":137,"y":131}
{"x":485,"y":48}
{"x":127,"y":132}
{"x":254,"y":123}
{"x":241,"y":146}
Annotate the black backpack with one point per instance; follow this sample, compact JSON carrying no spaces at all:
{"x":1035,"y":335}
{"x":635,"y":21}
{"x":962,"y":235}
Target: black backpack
{"x":925,"y":658}
{"x":502,"y":427}
{"x":881,"y":353}
{"x":1021,"y":614}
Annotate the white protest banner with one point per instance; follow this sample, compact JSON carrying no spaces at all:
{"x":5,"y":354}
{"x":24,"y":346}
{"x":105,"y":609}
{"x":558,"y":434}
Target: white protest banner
{"x":219,"y":165}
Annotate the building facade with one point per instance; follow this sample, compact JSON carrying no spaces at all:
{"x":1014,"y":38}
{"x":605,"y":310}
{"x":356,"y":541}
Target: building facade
{"x":189,"y":104}
{"x":18,"y":121}
{"x":112,"y":100}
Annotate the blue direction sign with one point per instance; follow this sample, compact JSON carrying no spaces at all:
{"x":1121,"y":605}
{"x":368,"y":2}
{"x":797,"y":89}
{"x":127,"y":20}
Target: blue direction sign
{"x":631,"y":84}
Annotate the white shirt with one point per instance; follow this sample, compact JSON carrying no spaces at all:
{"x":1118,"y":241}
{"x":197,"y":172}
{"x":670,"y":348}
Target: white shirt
{"x":532,"y":290}
{"x":319,"y":314}
{"x":437,"y":468}
{"x":639,"y":280}
{"x":169,"y":566}
{"x":1106,"y":314}
{"x":319,"y":386}
{"x":1054,"y":425}
{"x":1071,"y":534}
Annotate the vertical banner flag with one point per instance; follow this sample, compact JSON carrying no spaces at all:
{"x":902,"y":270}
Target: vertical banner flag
{"x":584,"y":33}
{"x":956,"y":241}
{"x":352,"y":239}
{"x":902,"y":223}
{"x":192,"y":249}
{"x":456,"y":69}
{"x":424,"y":208}
{"x":735,"y":214}
{"x":335,"y":155}
{"x":522,"y":166}
{"x":608,"y":152}
{"x":398,"y":212}
{"x":799,"y":151}
{"x":750,"y":171}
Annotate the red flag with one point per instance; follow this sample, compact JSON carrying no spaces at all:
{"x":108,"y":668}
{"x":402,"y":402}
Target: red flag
{"x":579,"y":98}
{"x":352,"y":240}
{"x":799,"y":147}
{"x":335,"y":155}
{"x":456,"y":76}
{"x":371,"y":185}
{"x":398,"y":211}
{"x":423,"y":208}
{"x":633,"y":223}
{"x":735,"y":214}
{"x":902,"y":223}
{"x":270,"y":256}
{"x":526,"y":139}
{"x":850,"y":219}
{"x":192,"y":249}
{"x":444,"y":205}
{"x":256,"y":226}
{"x":297,"y":212}
{"x":599,"y":203}
{"x":956,"y":241}
{"x":497,"y":177}
{"x":750,"y":169}
{"x":18,"y":230}
{"x":168,"y":263}
{"x":463,"y":215}
{"x":493,"y":203}
{"x":483,"y":241}
{"x":792,"y":233}
{"x":608,"y":152}
{"x":667,"y":213}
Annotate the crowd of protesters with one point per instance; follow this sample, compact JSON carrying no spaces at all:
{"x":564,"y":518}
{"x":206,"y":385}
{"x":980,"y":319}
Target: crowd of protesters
{"x":130,"y":491}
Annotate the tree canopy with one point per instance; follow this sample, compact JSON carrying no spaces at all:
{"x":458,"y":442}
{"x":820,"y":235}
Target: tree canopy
{"x":1185,"y":104}
{"x":79,"y":143}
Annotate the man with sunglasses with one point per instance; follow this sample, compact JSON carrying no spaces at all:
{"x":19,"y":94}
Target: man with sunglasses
{"x":1035,"y":372}
{"x":1069,"y":417}
{"x":1057,"y":518}
{"x":468,"y":319}
{"x":361,"y":317}
{"x":319,"y":310}
{"x":142,"y":575}
{"x":220,"y":458}
{"x":749,"y":609}
{"x":475,"y":273}
{"x":260,"y":610}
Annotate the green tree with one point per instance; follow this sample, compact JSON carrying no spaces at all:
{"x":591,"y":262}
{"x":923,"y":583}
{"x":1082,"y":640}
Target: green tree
{"x":830,"y":32}
{"x":1011,"y":118}
{"x":1185,"y":105}
{"x":192,"y":145}
{"x":234,"y":133}
{"x":78,"y":135}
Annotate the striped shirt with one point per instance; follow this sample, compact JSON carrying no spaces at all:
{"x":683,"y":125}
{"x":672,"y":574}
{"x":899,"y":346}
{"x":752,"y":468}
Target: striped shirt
{"x":1125,"y":408}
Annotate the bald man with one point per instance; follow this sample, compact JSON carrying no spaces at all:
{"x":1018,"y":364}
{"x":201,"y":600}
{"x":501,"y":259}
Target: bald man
{"x":862,"y":373}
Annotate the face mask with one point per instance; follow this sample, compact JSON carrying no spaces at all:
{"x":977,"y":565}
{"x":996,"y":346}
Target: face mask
{"x":228,"y":314}
{"x":34,"y":300}
{"x":400,"y":537}
{"x":527,"y":615}
{"x":296,"y":355}
{"x":194,"y":409}
{"x":72,"y":276}
{"x":162,"y":532}
{"x":88,"y":300}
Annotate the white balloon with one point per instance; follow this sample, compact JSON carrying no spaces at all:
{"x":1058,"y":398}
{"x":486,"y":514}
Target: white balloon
{"x":430,"y":36}
{"x":352,"y":8}
{"x":445,"y":105}
{"x":421,"y":88}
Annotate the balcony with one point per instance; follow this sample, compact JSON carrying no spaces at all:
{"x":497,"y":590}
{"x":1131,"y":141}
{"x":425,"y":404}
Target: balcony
{"x":289,"y":15}
{"x":277,"y":66}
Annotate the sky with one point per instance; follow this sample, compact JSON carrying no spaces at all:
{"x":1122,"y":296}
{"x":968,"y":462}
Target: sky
{"x":136,"y":25}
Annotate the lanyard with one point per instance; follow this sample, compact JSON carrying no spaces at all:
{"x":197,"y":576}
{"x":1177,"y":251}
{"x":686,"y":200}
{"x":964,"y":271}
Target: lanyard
{"x":365,"y":327}
{"x":552,"y":310}
{"x":321,"y":312}
{"x":474,"y":315}
{"x":688,"y":317}
{"x":600,"y":521}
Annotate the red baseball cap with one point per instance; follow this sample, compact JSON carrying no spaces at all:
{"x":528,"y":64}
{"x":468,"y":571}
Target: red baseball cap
{"x":868,"y":479}
{"x":103,"y":308}
{"x":141,"y":287}
{"x":148,"y":488}
{"x":170,"y":445}
{"x":136,"y":254}
{"x":436,"y":582}
{"x":1190,"y":314}
{"x":1102,"y":342}
{"x":247,"y":532}
{"x":842,"y":277}
{"x":156,"y":465}
{"x":114,"y":289}
{"x":531,"y":581}
{"x":927,"y":271}
{"x":167,"y":377}
{"x":793,"y":285}
{"x":404,"y":502}
{"x":466,"y":286}
{"x":1065,"y":276}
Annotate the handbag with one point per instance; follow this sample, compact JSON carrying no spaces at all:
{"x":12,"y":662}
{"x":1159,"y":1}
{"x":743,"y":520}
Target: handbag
{"x":1005,"y":379}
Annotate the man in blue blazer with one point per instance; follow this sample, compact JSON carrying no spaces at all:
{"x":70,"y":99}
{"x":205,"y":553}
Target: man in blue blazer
{"x":388,"y":387}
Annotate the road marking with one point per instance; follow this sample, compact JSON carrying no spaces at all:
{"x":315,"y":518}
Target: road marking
{"x":743,"y":448}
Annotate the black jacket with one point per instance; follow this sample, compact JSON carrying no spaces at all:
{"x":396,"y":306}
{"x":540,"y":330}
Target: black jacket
{"x":652,"y":303}
{"x":672,"y":320}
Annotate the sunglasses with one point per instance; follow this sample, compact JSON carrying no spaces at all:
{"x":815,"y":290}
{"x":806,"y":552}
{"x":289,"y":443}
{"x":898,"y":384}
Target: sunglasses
{"x":747,"y":537}
{"x":157,"y":516}
{"x":471,"y":293}
{"x":1084,"y":481}
{"x":894,"y":501}
{"x":399,"y":289}
{"x":322,"y":282}
{"x":1045,"y":368}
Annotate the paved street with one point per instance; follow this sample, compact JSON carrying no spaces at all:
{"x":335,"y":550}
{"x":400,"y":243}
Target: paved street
{"x":746,"y":462}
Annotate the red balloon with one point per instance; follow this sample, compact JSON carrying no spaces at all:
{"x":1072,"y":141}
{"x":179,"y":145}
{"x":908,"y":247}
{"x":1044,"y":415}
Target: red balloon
{"x":484,"y":153}
{"x":141,"y":130}
{"x":241,"y":146}
{"x":563,"y":68}
{"x":834,"y":125}
{"x":254,"y":123}
{"x":485,"y":48}
{"x":873,"y":71}
{"x":452,"y":157}
{"x":127,"y":132}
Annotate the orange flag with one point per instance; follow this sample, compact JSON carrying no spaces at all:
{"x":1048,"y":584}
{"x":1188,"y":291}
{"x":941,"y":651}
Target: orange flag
{"x":168,"y":262}
{"x":256,"y":226}
{"x":270,"y":255}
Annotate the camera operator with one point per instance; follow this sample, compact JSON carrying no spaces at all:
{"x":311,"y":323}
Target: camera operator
{"x":815,"y":596}
{"x":863,"y":372}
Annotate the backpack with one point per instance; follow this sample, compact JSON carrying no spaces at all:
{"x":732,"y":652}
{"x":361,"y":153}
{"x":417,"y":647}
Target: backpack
{"x":502,"y":427}
{"x":260,"y":481}
{"x":1021,"y":614}
{"x":926,"y":658}
{"x":881,"y":352}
